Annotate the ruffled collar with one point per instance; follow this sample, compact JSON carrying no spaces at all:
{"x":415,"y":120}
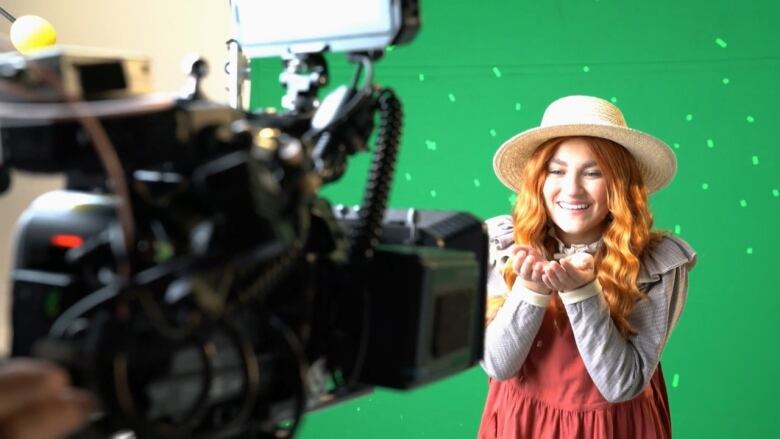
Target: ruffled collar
{"x":568,"y":250}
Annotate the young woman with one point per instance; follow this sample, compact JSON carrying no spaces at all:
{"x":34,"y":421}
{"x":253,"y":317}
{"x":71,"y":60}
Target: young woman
{"x":583,"y":293}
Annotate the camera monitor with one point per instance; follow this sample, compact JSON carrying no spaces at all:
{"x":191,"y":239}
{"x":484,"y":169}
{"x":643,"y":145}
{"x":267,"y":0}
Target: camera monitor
{"x":271,"y":28}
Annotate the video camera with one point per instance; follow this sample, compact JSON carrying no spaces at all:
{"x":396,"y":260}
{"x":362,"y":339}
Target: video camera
{"x":190,"y":275}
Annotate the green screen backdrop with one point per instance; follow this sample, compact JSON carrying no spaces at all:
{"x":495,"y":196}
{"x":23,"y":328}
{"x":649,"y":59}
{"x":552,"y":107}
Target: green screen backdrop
{"x":701,"y":75}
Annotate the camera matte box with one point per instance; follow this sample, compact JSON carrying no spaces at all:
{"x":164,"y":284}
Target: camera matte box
{"x":427,"y":302}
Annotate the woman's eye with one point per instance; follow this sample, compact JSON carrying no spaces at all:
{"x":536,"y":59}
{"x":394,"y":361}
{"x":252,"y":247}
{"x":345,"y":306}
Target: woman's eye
{"x":593,"y":174}
{"x":556,"y":171}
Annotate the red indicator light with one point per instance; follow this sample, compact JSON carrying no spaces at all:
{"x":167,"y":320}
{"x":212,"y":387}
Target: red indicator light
{"x":67,"y":241}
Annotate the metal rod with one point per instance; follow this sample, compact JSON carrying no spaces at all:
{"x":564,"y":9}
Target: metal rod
{"x":5,"y":13}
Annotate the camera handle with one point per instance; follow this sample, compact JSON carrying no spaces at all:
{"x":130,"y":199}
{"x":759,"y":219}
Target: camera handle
{"x":238,"y":70}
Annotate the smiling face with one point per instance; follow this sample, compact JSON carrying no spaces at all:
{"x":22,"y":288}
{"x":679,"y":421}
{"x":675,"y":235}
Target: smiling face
{"x":575,"y":193}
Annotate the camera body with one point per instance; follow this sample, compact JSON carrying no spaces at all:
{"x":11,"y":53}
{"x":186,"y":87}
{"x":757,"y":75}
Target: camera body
{"x":191,"y":275}
{"x":422,"y":322}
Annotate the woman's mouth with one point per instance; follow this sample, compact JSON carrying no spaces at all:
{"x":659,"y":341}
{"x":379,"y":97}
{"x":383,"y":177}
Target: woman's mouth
{"x":573,"y":207}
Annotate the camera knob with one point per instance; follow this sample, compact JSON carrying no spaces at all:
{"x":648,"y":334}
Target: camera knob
{"x":199,"y":68}
{"x":196,"y":69}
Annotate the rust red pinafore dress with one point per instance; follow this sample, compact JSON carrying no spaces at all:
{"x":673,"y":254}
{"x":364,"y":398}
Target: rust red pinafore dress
{"x":552,"y":396}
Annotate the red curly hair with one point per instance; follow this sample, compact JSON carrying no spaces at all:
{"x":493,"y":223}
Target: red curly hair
{"x":625,"y":238}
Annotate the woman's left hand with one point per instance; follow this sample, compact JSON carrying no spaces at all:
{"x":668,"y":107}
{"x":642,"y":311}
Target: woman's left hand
{"x":569,"y":273}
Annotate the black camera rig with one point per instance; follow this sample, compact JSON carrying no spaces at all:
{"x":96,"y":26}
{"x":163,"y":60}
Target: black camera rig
{"x":191,"y":276}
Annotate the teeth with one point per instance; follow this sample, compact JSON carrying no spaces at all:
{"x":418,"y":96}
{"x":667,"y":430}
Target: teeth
{"x":573,"y":206}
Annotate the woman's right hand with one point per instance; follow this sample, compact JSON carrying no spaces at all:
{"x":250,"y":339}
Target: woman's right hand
{"x":37,"y":401}
{"x":529,"y":265}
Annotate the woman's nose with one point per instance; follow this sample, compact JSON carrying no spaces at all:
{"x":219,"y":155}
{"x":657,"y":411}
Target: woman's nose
{"x":572,"y":184}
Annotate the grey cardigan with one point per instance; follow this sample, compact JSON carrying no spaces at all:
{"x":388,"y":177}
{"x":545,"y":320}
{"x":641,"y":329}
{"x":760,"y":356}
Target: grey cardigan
{"x":620,"y":366}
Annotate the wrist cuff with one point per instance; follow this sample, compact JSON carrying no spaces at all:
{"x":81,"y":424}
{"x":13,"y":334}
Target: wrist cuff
{"x":531,"y":297}
{"x":586,"y":291}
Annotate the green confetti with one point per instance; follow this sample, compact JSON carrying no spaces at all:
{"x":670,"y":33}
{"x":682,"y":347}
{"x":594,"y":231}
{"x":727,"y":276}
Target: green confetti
{"x":676,"y":146}
{"x":477,"y":183}
{"x":749,"y":250}
{"x":512,"y":199}
{"x":408,"y":176}
{"x":431,"y":145}
{"x":676,"y":380}
{"x":452,"y":97}
{"x":390,"y":48}
{"x":492,"y":132}
{"x":743,"y":203}
{"x":776,"y":192}
{"x":614,"y":100}
{"x":689,"y":117}
{"x":677,"y":229}
{"x":518,"y":106}
{"x":726,"y":81}
{"x":710,"y":143}
{"x":497,"y":72}
{"x":720,"y":42}
{"x":586,"y":69}
{"x":751,"y":119}
{"x":755,"y":160}
{"x":421,"y":76}
{"x":433,"y":193}
{"x":705,"y":186}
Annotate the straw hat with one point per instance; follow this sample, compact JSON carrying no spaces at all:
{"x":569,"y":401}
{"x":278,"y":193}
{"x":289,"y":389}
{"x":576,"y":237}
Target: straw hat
{"x":586,"y":116}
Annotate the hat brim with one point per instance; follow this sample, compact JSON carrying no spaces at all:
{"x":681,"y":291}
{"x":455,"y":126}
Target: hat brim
{"x":656,"y":160}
